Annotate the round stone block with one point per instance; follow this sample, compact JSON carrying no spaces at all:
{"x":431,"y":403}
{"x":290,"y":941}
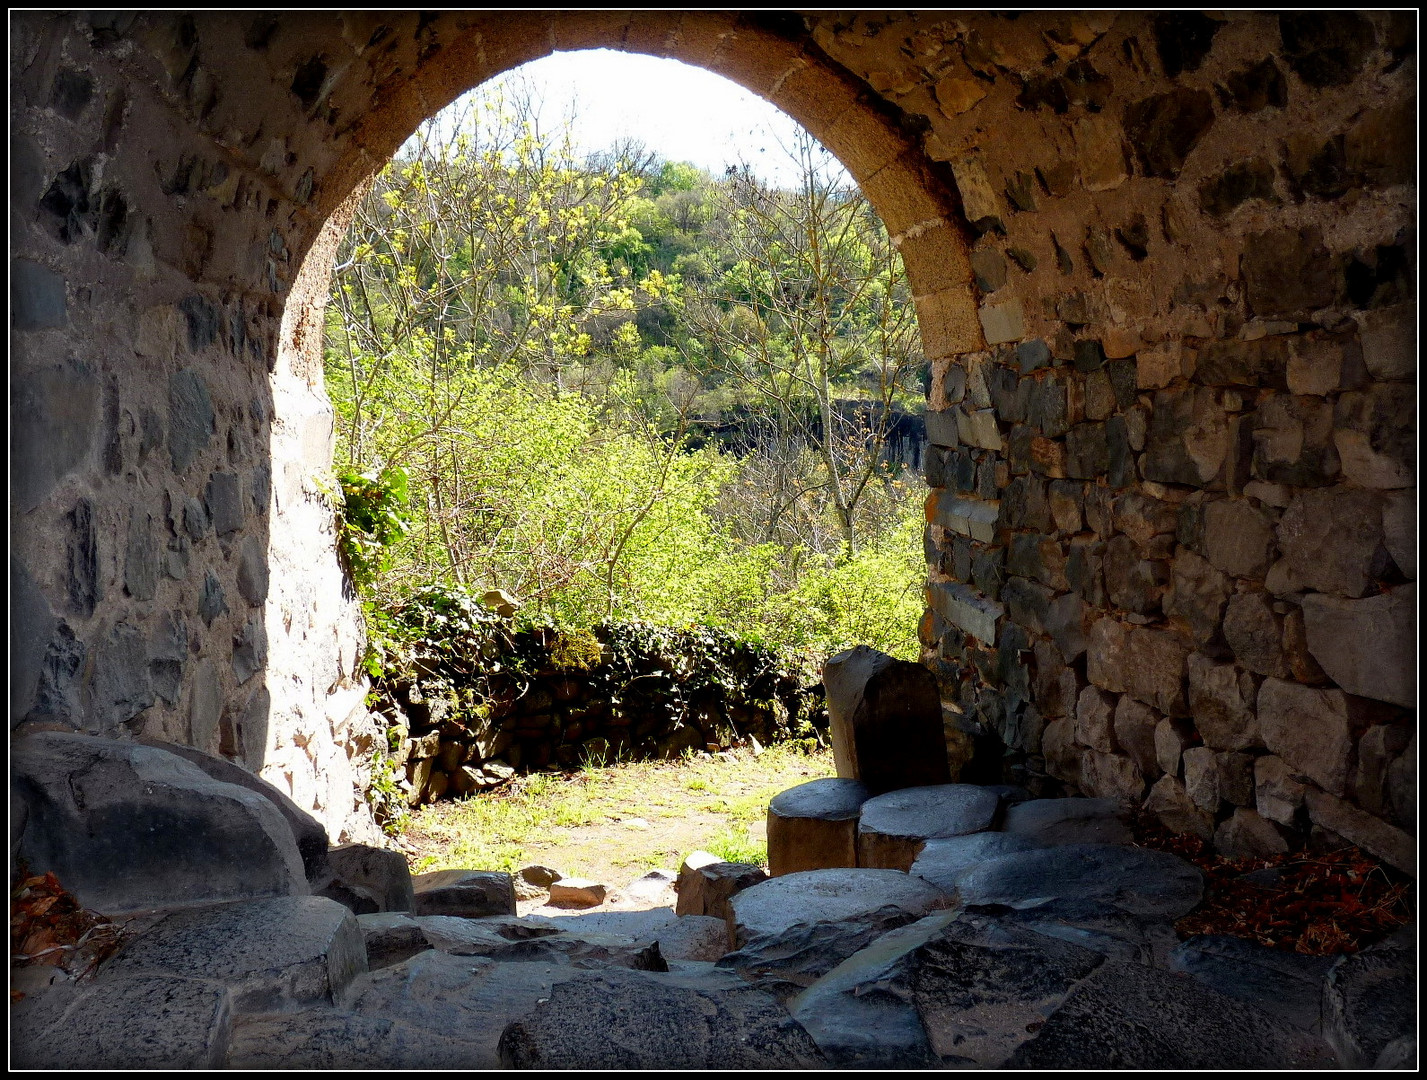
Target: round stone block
{"x":814,"y":826}
{"x":894,"y":827}
{"x":819,"y":896}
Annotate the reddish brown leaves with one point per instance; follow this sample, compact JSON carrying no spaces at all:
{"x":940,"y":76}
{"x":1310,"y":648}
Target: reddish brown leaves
{"x":48,"y":926}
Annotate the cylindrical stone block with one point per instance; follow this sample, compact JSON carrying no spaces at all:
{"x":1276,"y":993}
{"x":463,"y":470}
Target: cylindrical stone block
{"x":814,"y":826}
{"x":893,"y":828}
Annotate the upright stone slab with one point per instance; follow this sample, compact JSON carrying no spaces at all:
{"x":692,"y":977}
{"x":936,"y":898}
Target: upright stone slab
{"x":814,"y":826}
{"x":128,"y":827}
{"x":886,"y":721}
{"x":895,"y":827}
{"x":369,"y":879}
{"x":706,"y":882}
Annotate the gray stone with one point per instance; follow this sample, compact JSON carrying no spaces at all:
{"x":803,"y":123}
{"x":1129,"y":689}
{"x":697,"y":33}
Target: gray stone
{"x":1027,"y":603}
{"x":943,"y":860}
{"x":1002,"y":322}
{"x":1171,"y":737}
{"x":1399,"y":530}
{"x":1134,"y":725}
{"x":1032,"y":355}
{"x":989,"y":267}
{"x":223,"y":498}
{"x":1358,"y":827}
{"x":1277,"y":795}
{"x":190,"y":417}
{"x":941,"y":425}
{"x":1330,"y":540}
{"x":1133,"y":583}
{"x":53,"y":416}
{"x":1067,"y":621}
{"x":1374,"y":432}
{"x":825,"y":896}
{"x":369,"y":879}
{"x":1113,"y":776}
{"x":195,"y":519}
{"x":1140,"y":881}
{"x":32,"y":626}
{"x":1147,"y":664}
{"x":706,"y":883}
{"x":1187,"y":439}
{"x":1201,"y":778}
{"x":272,"y":954}
{"x":1402,"y":784}
{"x":1094,"y":713}
{"x":1369,"y":1002}
{"x":85,"y":588}
{"x":211,"y":602}
{"x":813,"y":826}
{"x":1254,"y":631}
{"x":1245,"y":832}
{"x":885,"y":718}
{"x":617,"y":1019}
{"x":1087,"y":453}
{"x":141,"y":557}
{"x":465,"y":893}
{"x":1282,"y":984}
{"x":309,"y":834}
{"x":1062,"y":755}
{"x":498,"y":939}
{"x":1221,"y":700}
{"x":1169,"y":802}
{"x":1051,"y":822}
{"x":1236,"y":778}
{"x":1196,"y":597}
{"x":337,"y":1039}
{"x":1293,"y":442}
{"x":250,"y":650}
{"x":121,"y":688}
{"x":1379,"y":746}
{"x":1368,"y":646}
{"x":252,"y":571}
{"x":37,"y":296}
{"x":893,"y":827}
{"x":205,"y":705}
{"x":391,"y":937}
{"x":135,"y":1022}
{"x":795,"y":958}
{"x":1389,"y":341}
{"x":1311,"y":730}
{"x":1238,"y":538}
{"x":1137,"y":1017}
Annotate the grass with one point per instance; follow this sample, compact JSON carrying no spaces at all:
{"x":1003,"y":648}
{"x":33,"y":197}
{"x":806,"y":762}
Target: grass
{"x":609,"y":821}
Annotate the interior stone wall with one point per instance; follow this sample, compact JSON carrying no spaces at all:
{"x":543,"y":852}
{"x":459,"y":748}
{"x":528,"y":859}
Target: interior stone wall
{"x":1163,"y":266}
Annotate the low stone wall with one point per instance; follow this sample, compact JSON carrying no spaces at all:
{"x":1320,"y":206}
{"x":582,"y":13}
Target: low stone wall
{"x":543,"y":698}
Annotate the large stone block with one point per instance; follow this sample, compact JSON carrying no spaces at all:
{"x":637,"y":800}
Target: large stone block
{"x":1374,"y":431}
{"x":53,"y":420}
{"x":1391,"y":845}
{"x":1389,"y":341}
{"x":814,"y":826}
{"x":1238,"y":538}
{"x":1221,"y":700}
{"x":773,"y":906}
{"x":1311,"y":730}
{"x":1330,"y":540}
{"x":1111,"y":776}
{"x":1277,"y":795}
{"x":1254,"y":631}
{"x":464,"y":893}
{"x":1293,"y":442}
{"x":894,"y":827}
{"x":1288,"y":272}
{"x":885,"y":717}
{"x":1147,"y":664}
{"x":1188,"y":437}
{"x":126,"y":826}
{"x":1169,"y":802}
{"x":1196,"y":597}
{"x":1367,"y":646}
{"x":706,"y":883}
{"x":1134,"y":726}
{"x":1094,"y":727}
{"x":369,"y":879}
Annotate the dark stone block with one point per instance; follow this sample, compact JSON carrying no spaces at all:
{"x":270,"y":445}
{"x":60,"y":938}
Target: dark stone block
{"x":1009,"y":394}
{"x":1133,"y":583}
{"x":1047,"y":407}
{"x":986,"y":571}
{"x":1134,"y":237}
{"x":989,"y":267}
{"x":1020,"y":189}
{"x":965,"y":466}
{"x":1027,"y":603}
{"x":70,"y":92}
{"x":223,"y":498}
{"x":1183,"y":39}
{"x":37,"y":300}
{"x":211,"y":603}
{"x":32,"y":625}
{"x":1221,"y":195}
{"x":1259,"y":87}
{"x":1165,"y":128}
{"x":1322,"y":172}
{"x":195,"y":518}
{"x":1288,"y":272}
{"x":1087,"y":455}
{"x":82,"y":579}
{"x":190,"y":417}
{"x":1099,"y":251}
{"x":941,"y":427}
{"x":262,"y":488}
{"x":1123,"y":381}
{"x":1243,"y":363}
{"x":1084,"y":570}
{"x":1326,"y":48}
{"x":53,"y":415}
{"x":1024,"y":505}
{"x":141,"y":557}
{"x":1018,"y":449}
{"x":1293,"y":441}
{"x":961,"y":558}
{"x":1169,"y":457}
{"x":1089,"y":356}
{"x":934,"y":466}
{"x":1121,"y":467}
{"x":61,"y":686}
{"x":1032,"y":355}
{"x":202,"y":320}
{"x":121,"y":688}
{"x":250,"y":651}
{"x":986,"y":478}
{"x":169,"y":649}
{"x":253,"y":572}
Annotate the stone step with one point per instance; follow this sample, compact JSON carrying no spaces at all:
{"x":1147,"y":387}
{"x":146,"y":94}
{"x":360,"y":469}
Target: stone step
{"x":814,"y":896}
{"x":465,"y":893}
{"x":893,"y":828}
{"x":813,"y":826}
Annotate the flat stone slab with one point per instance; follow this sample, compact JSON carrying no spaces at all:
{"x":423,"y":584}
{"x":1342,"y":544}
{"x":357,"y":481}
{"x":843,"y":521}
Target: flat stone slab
{"x":1142,"y":882}
{"x":391,"y":937}
{"x":1068,"y":821}
{"x":127,"y":1022}
{"x":1369,"y":1005}
{"x":1130,"y":1016}
{"x":576,"y":945}
{"x":619,"y":1019}
{"x":336,"y":1039}
{"x":1103,"y":928}
{"x":463,"y":893}
{"x":814,"y":826}
{"x":894,"y":827}
{"x":1284,"y":984}
{"x":814,"y":896}
{"x":271,"y":954}
{"x":943,"y":860}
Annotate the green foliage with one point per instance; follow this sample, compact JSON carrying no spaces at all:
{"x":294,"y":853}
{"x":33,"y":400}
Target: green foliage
{"x":386,"y":794}
{"x":736,"y":846}
{"x":372,"y":520}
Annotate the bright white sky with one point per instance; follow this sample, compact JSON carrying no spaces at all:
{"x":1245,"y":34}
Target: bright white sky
{"x":681,"y":112}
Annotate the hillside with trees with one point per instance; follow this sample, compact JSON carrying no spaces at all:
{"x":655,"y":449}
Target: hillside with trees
{"x":620,"y":388}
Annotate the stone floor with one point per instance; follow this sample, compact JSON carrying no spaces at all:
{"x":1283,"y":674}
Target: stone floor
{"x":1045,"y":942}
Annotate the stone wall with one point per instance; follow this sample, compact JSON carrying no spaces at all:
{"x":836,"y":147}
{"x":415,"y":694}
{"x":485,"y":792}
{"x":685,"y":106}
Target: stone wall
{"x":1170,"y":533}
{"x":1163,"y":267}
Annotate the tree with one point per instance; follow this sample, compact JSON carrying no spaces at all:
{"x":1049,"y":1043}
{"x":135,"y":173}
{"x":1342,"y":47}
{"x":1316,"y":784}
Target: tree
{"x":811,"y":318}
